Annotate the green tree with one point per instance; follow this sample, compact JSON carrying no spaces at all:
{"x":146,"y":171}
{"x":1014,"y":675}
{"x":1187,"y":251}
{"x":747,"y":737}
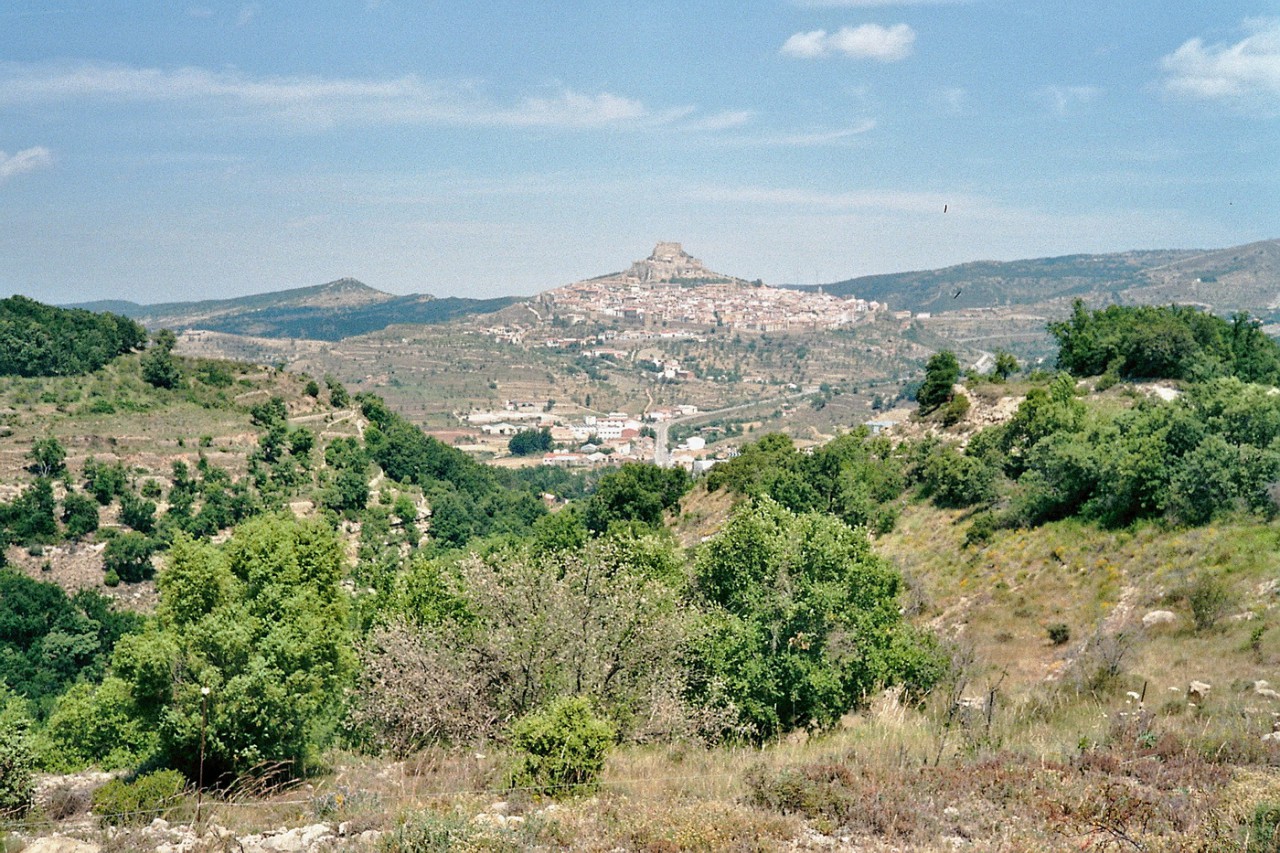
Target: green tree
{"x":40,"y":340}
{"x":636,"y":492}
{"x":128,"y":556}
{"x":530,"y":441}
{"x":79,"y":514}
{"x":348,"y":490}
{"x":48,"y":457}
{"x":137,"y":513}
{"x":1006,"y":365}
{"x":262,"y":623}
{"x":338,"y":396}
{"x":801,"y":622}
{"x":158,"y":365}
{"x":940,"y":374}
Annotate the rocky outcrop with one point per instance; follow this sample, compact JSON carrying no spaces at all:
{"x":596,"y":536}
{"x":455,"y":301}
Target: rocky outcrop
{"x":670,"y":262}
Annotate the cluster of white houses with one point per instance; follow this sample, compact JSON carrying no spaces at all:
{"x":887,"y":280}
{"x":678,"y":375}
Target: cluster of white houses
{"x":590,"y":440}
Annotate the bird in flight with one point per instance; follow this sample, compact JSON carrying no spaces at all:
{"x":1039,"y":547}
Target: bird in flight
{"x":944,"y":208}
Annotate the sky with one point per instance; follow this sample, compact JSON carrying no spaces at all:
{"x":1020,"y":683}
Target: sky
{"x":167,"y":151}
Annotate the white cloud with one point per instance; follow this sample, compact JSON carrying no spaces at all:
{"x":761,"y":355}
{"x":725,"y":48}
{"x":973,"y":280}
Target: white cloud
{"x":1251,"y":66}
{"x":721,"y":121}
{"x":311,"y":101}
{"x":868,"y":41}
{"x":820,"y":137}
{"x":806,"y":45}
{"x":26,"y":160}
{"x":247,"y":13}
{"x":1063,"y":99}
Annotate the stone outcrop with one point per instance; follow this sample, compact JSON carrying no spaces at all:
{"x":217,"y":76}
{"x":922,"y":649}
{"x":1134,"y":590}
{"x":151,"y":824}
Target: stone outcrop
{"x":670,"y":262}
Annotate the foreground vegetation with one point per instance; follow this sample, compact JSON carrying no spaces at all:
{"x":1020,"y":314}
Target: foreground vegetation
{"x":364,"y":626}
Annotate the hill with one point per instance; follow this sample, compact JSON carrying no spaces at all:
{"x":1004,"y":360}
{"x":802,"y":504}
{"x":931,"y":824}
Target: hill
{"x":327,"y":312}
{"x":1223,"y":280}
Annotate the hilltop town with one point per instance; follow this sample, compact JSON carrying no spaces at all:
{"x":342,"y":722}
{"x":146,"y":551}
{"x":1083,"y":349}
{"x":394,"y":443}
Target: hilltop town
{"x":671,"y":287}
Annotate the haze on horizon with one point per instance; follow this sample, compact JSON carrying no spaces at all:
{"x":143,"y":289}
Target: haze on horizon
{"x":163,"y":152}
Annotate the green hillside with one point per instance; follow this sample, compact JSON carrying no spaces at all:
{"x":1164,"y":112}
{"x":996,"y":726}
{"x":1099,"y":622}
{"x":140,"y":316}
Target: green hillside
{"x":1045,"y":629}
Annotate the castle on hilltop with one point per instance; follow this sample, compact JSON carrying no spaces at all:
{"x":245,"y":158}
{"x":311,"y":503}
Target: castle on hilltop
{"x":669,"y":262}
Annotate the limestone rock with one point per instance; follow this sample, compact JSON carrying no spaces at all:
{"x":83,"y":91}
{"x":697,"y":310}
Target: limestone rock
{"x":60,"y":844}
{"x":1159,"y":617}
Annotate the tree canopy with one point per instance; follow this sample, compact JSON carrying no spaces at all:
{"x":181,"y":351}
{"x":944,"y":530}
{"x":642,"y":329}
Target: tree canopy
{"x":41,"y":340}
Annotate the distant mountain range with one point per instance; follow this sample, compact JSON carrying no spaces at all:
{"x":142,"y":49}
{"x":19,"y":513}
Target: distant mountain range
{"x":1241,"y":278}
{"x":327,"y":312}
{"x":1223,"y":280}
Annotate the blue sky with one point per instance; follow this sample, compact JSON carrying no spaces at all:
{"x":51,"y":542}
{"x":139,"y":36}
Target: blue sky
{"x":163,"y":151}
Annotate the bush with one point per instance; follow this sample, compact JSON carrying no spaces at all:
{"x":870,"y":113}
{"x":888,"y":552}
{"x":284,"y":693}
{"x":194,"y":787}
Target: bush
{"x":1263,"y":835}
{"x":1059,"y":633}
{"x":17,"y":786}
{"x":954,"y":412}
{"x":153,"y":795}
{"x":79,"y":514}
{"x":562,"y":747}
{"x":128,"y":556}
{"x":1208,"y":598}
{"x":138,"y":513}
{"x":982,"y":529}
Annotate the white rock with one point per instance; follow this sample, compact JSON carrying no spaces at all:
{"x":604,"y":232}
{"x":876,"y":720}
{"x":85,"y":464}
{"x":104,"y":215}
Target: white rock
{"x":1197,"y":690}
{"x":1159,"y":617}
{"x":60,"y":844}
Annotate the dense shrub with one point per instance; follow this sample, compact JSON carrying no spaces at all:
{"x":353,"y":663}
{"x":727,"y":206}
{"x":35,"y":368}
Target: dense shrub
{"x":79,"y":515}
{"x":31,"y":518}
{"x":136,"y":803}
{"x":1173,"y":342}
{"x":95,"y":725}
{"x":801,"y":622}
{"x":262,"y":623}
{"x":128,"y":555}
{"x":17,"y":784}
{"x":635,"y":492}
{"x":1208,"y":598}
{"x":561,"y":749}
{"x":137,"y":512}
{"x":47,"y":640}
{"x":530,"y":441}
{"x":954,"y":411}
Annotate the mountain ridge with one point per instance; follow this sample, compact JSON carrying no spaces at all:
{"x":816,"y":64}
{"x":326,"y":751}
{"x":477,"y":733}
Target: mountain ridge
{"x":1243,"y":277}
{"x":329,"y":312}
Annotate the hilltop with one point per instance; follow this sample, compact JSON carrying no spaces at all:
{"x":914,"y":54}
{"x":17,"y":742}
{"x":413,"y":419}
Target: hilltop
{"x":326,"y":312}
{"x":1239,"y":278}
